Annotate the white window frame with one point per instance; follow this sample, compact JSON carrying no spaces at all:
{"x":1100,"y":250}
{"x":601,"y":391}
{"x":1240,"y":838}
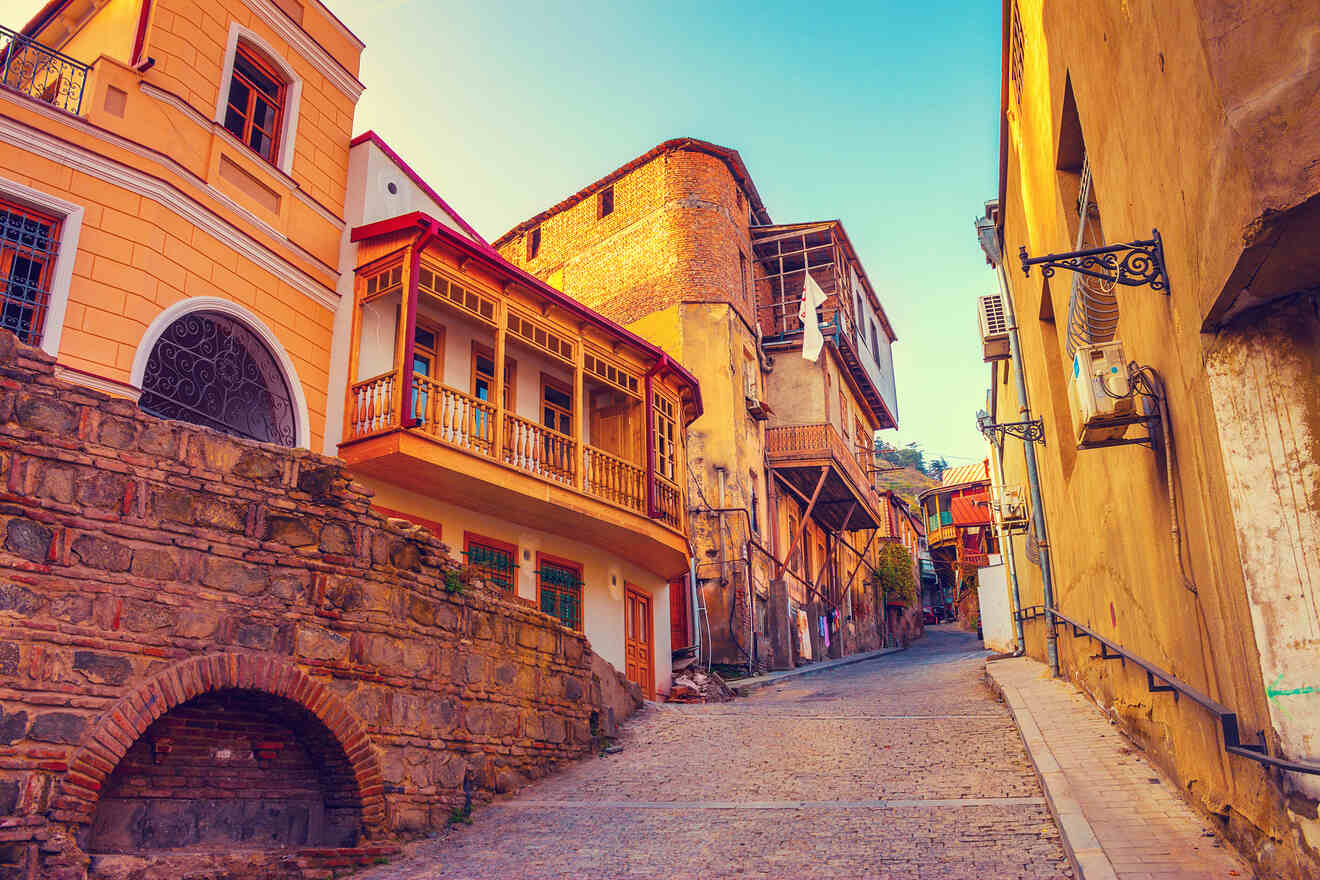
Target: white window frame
{"x":292,"y":90}
{"x":70,"y":215}
{"x":302,"y":421}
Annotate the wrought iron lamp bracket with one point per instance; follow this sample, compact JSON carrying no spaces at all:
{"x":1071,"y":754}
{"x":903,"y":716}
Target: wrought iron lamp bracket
{"x":1133,"y":264}
{"x":1032,"y":431}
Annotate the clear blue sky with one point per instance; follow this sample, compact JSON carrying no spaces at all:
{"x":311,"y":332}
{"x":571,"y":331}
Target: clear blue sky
{"x":879,"y":114}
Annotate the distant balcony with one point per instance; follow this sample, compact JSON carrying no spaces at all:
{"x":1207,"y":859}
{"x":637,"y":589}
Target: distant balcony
{"x":944,"y":536}
{"x":40,"y":72}
{"x":802,"y":454}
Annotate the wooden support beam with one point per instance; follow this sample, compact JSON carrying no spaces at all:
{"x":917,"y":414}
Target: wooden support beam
{"x":802,"y":526}
{"x":861,"y":557}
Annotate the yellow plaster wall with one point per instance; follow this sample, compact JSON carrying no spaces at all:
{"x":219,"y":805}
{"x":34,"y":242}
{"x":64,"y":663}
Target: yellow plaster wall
{"x":1160,"y":160}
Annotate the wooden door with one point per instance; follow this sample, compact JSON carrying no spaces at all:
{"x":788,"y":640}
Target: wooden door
{"x":678,"y":614}
{"x":639,"y":652}
{"x":614,"y":430}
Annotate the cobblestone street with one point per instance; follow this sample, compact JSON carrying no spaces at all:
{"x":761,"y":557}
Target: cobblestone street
{"x":903,"y":766}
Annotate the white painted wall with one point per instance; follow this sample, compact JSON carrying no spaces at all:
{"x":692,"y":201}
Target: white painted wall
{"x":996,"y":608}
{"x":1264,"y":388}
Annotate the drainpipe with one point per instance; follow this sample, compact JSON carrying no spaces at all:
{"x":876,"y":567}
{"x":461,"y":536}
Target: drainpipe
{"x":988,"y":233}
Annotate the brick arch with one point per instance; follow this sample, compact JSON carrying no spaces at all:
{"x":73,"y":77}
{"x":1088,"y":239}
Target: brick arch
{"x":126,"y":721}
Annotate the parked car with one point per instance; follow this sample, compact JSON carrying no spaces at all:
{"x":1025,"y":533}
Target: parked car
{"x":928,"y":615}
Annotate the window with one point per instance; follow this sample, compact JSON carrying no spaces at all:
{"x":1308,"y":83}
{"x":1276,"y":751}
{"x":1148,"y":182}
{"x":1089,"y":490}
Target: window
{"x":559,"y":587}
{"x":209,"y":369}
{"x":427,"y":366}
{"x":483,"y":375}
{"x":28,"y":245}
{"x":533,"y":243}
{"x":556,"y":407}
{"x":666,"y":432}
{"x":605,"y":202}
{"x":843,"y":412}
{"x":742,"y":273}
{"x":254,"y":109}
{"x":1015,"y":54}
{"x":756,"y":505}
{"x":494,"y":560}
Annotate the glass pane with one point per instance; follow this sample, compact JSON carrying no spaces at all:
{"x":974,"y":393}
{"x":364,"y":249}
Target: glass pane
{"x":263,"y":114}
{"x":548,"y":418}
{"x":485,"y":366}
{"x":558,"y":398}
{"x":258,"y":77}
{"x":565,"y":424}
{"x":234,"y":122}
{"x":425,"y":338}
{"x":261,"y":142}
{"x":422,"y":365}
{"x":482,"y":391}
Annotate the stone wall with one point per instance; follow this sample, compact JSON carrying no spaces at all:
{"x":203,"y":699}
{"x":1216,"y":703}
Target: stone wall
{"x":207,"y":641}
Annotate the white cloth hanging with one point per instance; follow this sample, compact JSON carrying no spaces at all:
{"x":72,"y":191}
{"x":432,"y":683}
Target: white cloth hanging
{"x":812,"y":340}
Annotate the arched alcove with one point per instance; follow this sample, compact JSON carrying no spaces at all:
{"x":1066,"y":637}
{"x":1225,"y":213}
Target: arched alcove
{"x":230,"y":768}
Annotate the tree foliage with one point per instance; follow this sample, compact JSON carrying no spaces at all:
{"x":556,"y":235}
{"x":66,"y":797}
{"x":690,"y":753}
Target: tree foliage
{"x":911,"y":456}
{"x":894,"y":575}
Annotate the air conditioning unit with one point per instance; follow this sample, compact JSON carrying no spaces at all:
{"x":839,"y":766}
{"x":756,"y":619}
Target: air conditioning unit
{"x":994,"y":326}
{"x":756,"y":407}
{"x":1101,"y":394}
{"x":1010,"y":508}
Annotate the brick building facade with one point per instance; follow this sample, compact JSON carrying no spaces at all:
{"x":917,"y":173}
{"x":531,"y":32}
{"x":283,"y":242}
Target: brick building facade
{"x":678,"y":246}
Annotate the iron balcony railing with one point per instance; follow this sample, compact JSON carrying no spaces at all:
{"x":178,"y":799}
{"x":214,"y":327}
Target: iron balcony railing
{"x":40,"y":72}
{"x":1161,"y":681}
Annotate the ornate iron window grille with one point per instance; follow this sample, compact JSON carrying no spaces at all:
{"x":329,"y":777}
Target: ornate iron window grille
{"x":561,"y":594}
{"x":495,"y":565}
{"x":40,"y":72}
{"x":28,"y":246}
{"x":211,"y":370}
{"x":1132,"y":264}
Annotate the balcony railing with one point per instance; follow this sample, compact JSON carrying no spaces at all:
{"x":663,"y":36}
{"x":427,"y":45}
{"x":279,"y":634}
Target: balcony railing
{"x":538,"y":450}
{"x":787,"y":442}
{"x":942,"y":536}
{"x":452,"y":416}
{"x":461,"y":420}
{"x":670,"y":503}
{"x":40,"y":72}
{"x":609,"y":477}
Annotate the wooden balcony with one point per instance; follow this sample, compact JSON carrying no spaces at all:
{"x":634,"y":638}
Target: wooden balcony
{"x":944,"y":536}
{"x":799,"y":452}
{"x":541,"y":478}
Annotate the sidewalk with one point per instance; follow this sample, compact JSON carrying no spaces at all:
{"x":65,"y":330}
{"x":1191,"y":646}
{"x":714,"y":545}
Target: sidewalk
{"x":1119,"y":817}
{"x":744,"y":686}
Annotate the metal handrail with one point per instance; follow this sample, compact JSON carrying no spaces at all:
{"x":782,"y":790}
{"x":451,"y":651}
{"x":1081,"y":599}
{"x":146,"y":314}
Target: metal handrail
{"x":1228,"y":721}
{"x":40,"y":72}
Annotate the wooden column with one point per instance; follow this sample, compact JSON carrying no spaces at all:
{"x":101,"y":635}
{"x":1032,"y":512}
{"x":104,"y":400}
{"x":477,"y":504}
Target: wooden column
{"x":579,"y":417}
{"x":501,"y":335}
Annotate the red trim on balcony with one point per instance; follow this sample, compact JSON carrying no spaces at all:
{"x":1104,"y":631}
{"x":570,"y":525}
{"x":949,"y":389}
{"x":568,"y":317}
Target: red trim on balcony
{"x":492,"y":259}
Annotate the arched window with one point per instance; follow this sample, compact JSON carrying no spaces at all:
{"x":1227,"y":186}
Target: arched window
{"x":210,"y":369}
{"x":254,"y":107}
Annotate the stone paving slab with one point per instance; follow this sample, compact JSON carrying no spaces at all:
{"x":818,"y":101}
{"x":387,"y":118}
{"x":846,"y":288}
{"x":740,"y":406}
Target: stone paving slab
{"x":744,"y":686}
{"x":905,"y":768}
{"x":1120,"y":819}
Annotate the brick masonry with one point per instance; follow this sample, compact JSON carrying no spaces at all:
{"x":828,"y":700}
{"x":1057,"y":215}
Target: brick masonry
{"x":199,"y":628}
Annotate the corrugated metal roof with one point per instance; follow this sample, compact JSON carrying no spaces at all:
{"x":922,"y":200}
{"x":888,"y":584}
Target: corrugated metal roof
{"x":966,"y":473}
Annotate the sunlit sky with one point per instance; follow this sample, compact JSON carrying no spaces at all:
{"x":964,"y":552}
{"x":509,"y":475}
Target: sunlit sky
{"x":881,"y":114}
